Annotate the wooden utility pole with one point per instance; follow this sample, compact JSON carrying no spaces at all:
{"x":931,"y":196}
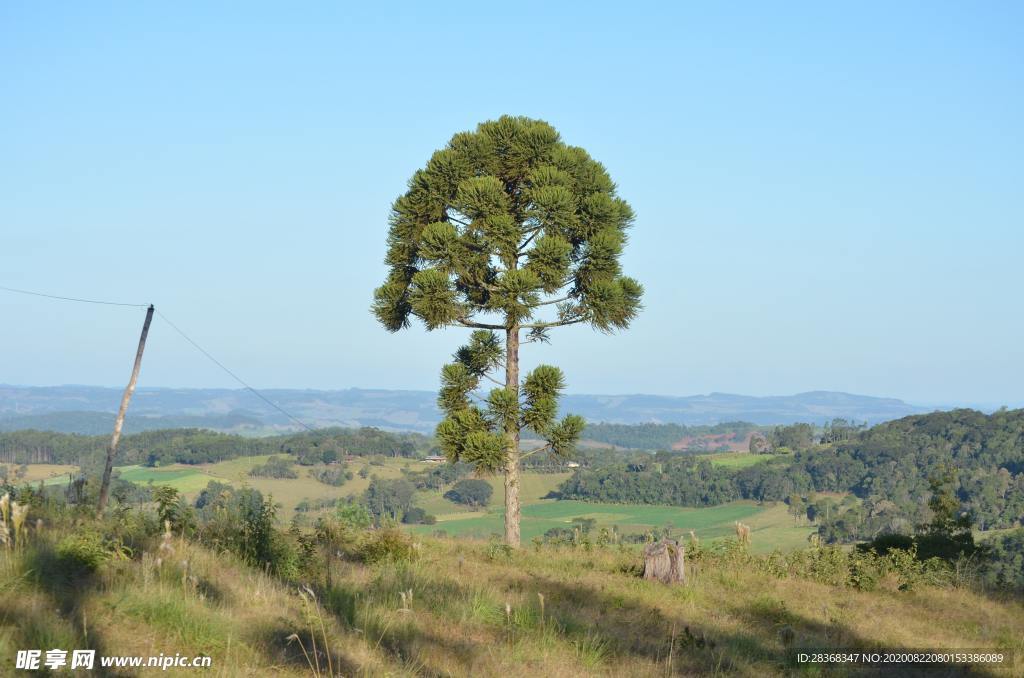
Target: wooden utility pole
{"x":119,"y":422}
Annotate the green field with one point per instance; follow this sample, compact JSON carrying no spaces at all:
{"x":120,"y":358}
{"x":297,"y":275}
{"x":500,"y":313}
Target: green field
{"x":737,"y":459}
{"x":186,"y":480}
{"x":771,"y":526}
{"x":533,"y":487}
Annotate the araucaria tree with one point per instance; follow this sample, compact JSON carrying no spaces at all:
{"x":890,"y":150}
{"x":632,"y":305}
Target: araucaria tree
{"x":510,"y":232}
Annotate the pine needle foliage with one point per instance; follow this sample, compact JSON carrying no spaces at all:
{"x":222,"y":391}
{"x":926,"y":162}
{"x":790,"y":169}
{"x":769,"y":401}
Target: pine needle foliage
{"x":507,"y":229}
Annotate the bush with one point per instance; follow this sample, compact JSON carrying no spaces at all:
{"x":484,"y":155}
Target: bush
{"x":334,"y":476}
{"x":390,"y":544}
{"x":86,"y":552}
{"x":948,"y":547}
{"x":470,"y":492}
{"x":354,"y":516}
{"x":243,"y":521}
{"x":275,"y":467}
{"x":860,"y":569}
{"x":884,"y":543}
{"x":417,"y":516}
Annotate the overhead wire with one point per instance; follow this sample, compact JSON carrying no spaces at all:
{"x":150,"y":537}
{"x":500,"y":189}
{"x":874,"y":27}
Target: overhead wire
{"x":181,"y":332}
{"x":84,"y":301}
{"x":232,"y":374}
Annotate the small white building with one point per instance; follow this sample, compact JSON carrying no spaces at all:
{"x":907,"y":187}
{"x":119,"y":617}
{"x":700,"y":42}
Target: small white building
{"x":435,"y":459}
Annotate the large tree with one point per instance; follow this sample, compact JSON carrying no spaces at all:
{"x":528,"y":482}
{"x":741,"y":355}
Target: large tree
{"x":507,"y":231}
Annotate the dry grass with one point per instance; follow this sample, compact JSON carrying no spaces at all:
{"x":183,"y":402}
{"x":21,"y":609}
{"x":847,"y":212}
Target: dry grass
{"x":465,"y":609}
{"x":36,"y":472}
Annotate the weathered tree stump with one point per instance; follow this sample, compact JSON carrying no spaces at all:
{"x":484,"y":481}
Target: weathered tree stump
{"x":665,"y":561}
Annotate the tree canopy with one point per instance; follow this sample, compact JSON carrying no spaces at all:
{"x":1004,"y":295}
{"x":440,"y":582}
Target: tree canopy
{"x":508,"y":192}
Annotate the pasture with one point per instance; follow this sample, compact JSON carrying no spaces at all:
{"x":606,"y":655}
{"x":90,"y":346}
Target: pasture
{"x":48,"y":473}
{"x":189,"y":480}
{"x":771,"y":526}
{"x":533,"y":487}
{"x":737,"y":460}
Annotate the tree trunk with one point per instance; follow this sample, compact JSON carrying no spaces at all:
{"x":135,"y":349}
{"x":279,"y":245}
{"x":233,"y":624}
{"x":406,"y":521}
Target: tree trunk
{"x":119,"y":422}
{"x":512,"y":441}
{"x":665,"y":561}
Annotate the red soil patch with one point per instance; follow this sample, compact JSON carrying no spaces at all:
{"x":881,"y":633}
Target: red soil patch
{"x":734,"y":442}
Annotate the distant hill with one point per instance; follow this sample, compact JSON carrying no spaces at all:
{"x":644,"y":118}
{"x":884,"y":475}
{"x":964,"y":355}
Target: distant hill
{"x":89,"y":409}
{"x":813,"y":407}
{"x":99,"y":423}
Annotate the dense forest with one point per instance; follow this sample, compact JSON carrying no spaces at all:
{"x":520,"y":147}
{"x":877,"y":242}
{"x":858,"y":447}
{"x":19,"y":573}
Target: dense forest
{"x":887,"y":468}
{"x":197,"y":446}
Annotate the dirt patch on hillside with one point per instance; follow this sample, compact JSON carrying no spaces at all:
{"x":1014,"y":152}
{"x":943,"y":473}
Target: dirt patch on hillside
{"x":731,"y":442}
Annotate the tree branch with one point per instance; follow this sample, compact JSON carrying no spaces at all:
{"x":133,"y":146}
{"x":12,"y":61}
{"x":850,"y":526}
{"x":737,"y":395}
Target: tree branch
{"x":451,"y":218}
{"x":558,"y":323}
{"x":554,"y":301}
{"x":521,"y":248}
{"x":492,"y":379}
{"x":479,"y":326}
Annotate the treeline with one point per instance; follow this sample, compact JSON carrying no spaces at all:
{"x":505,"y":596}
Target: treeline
{"x":660,"y":436}
{"x":198,"y":446}
{"x":889,"y":468}
{"x":682,"y":480}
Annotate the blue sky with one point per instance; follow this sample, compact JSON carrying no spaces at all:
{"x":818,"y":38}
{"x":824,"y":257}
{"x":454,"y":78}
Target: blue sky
{"x":828,"y":194}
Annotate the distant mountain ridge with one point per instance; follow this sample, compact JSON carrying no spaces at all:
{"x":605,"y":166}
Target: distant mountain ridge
{"x":89,"y":409}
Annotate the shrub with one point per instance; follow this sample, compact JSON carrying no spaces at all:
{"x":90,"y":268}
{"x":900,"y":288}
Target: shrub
{"x":334,"y":476}
{"x":471,"y":492}
{"x":275,"y":467}
{"x":496,"y":550}
{"x":417,"y":516}
{"x":170,"y":507}
{"x":86,"y":552}
{"x":354,"y":516}
{"x":884,"y":543}
{"x":242,"y":520}
{"x":389,"y":544}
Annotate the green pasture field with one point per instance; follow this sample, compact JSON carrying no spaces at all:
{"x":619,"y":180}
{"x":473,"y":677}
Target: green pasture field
{"x":771,"y":526}
{"x":187,"y":480}
{"x":738,"y":459}
{"x":533,"y":487}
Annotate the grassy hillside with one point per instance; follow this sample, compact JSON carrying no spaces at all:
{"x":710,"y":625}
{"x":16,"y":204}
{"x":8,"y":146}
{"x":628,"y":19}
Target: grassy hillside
{"x":470,"y":610}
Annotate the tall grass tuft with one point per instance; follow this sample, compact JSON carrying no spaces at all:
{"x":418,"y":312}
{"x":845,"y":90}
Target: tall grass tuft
{"x":592,"y":650}
{"x":315,"y":622}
